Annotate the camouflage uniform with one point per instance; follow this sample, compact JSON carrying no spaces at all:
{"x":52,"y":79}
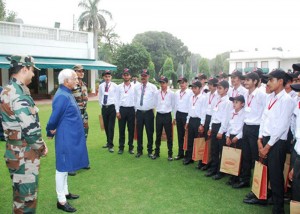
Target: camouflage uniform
{"x":24,"y":145}
{"x":81,"y":96}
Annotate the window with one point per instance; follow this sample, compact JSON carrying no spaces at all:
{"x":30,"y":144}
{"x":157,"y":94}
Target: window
{"x":264,"y":64}
{"x":239,"y":65}
{"x":251,"y":64}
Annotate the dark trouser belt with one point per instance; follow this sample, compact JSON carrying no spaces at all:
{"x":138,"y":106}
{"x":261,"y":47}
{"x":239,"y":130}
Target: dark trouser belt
{"x":145,"y":111}
{"x":107,"y":106}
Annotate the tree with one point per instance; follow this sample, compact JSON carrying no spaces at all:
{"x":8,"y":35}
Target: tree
{"x":204,"y":66}
{"x":162,"y":45}
{"x":133,"y":56}
{"x":6,"y":15}
{"x":168,"y":71}
{"x":151,"y":69}
{"x":92,"y":19}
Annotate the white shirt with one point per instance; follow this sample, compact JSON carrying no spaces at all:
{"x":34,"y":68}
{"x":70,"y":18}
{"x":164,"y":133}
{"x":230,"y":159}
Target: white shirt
{"x":149,"y":96}
{"x":182,"y":99}
{"x":254,"y":106}
{"x":297,"y":130}
{"x":125,"y":96}
{"x":293,"y":94}
{"x":236,"y":92}
{"x":262,"y":88}
{"x":196,"y":108}
{"x":236,"y":123}
{"x":221,"y":113}
{"x":112,"y":91}
{"x":203,"y":88}
{"x":276,"y":117}
{"x":165,"y":101}
{"x":210,"y":101}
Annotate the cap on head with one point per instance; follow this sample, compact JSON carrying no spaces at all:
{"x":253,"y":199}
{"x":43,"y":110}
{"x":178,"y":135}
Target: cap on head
{"x":295,"y":87}
{"x":126,"y":71}
{"x":278,"y":74}
{"x":21,"y":60}
{"x":238,"y":74}
{"x":224,"y":84}
{"x":213,"y":81}
{"x":196,"y":84}
{"x":296,"y":67}
{"x":163,"y":79}
{"x":144,"y":72}
{"x":182,"y":79}
{"x":106,"y":72}
{"x":238,"y":98}
{"x":222,"y":75}
{"x":78,"y":67}
{"x":253,"y":76}
{"x":202,"y":77}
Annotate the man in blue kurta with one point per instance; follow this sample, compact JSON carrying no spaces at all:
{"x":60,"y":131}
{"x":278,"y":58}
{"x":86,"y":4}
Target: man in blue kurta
{"x":70,"y":144}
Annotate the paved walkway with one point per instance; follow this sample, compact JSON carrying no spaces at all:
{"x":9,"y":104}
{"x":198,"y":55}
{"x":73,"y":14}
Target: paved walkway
{"x":49,"y":101}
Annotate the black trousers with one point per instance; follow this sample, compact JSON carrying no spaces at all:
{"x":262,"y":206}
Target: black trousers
{"x":145,"y":118}
{"x":275,"y":162}
{"x":194,"y":124}
{"x":127,"y":117}
{"x":164,"y":121}
{"x":216,"y":147}
{"x":296,"y":180}
{"x":180,"y":123}
{"x":249,"y":150}
{"x":109,"y":119}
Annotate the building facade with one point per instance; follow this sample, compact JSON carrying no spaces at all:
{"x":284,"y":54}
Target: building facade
{"x":53,"y":49}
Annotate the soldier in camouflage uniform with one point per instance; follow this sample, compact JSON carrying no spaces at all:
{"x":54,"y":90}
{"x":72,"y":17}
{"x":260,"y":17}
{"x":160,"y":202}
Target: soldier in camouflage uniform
{"x":22,"y":131}
{"x":81,"y":96}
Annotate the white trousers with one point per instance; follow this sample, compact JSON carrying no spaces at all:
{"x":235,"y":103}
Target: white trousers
{"x":61,"y":179}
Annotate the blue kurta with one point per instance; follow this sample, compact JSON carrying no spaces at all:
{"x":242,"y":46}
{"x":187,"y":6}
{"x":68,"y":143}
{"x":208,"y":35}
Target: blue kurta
{"x":70,"y":143}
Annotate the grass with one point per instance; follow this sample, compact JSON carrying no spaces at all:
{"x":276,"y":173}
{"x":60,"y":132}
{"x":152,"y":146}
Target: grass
{"x":124,"y":184}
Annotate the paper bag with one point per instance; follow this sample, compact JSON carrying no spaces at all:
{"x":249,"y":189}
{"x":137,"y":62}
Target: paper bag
{"x":185,"y":140}
{"x":101,"y":122}
{"x":198,"y":149}
{"x":259,"y":183}
{"x":206,"y":155}
{"x":231,"y":160}
{"x":294,"y":207}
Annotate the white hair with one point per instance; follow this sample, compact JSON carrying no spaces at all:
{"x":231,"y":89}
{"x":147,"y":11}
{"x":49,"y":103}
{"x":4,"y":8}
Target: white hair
{"x":64,"y":75}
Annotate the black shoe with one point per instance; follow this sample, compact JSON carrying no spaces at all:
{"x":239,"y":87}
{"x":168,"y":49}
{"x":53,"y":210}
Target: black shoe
{"x":255,"y":201}
{"x":66,"y":207}
{"x":153,"y":157}
{"x":120,"y":152}
{"x":218,"y":176}
{"x":72,"y":196}
{"x":131,"y":152}
{"x":250,"y":195}
{"x":179,"y":157}
{"x":170,"y":158}
{"x":241,"y":184}
{"x":105,"y":146}
{"x":200,"y":165}
{"x":139,"y":154}
{"x":150,"y":155}
{"x":111,"y":150}
{"x":205,"y":167}
{"x":187,"y":162}
{"x":72,"y":173}
{"x":87,"y":167}
{"x":210,"y":173}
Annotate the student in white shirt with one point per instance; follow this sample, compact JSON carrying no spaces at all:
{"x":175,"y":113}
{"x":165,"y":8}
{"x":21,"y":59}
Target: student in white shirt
{"x":273,"y":131}
{"x":236,"y":82}
{"x":217,"y":129}
{"x":234,"y":132}
{"x":144,"y":95}
{"x":125,"y":111}
{"x":107,"y":100}
{"x":203,"y":79}
{"x":294,"y":174}
{"x":182,"y":98}
{"x":164,"y":106}
{"x":196,"y":114}
{"x":255,"y":101}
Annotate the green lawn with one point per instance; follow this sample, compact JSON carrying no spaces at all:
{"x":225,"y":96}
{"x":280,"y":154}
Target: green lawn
{"x":124,"y":184}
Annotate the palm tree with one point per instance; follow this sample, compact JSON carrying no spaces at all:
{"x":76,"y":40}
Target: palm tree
{"x":92,"y":19}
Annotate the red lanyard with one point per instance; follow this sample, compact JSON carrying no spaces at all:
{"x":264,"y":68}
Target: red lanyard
{"x":271,"y":104}
{"x":249,"y":102}
{"x":234,"y":114}
{"x":299,"y":105}
{"x":163,"y":97}
{"x":194,"y":102}
{"x":182,"y":94}
{"x":107,"y":88}
{"x":127,"y":89}
{"x":219,"y":103}
{"x":211,"y":98}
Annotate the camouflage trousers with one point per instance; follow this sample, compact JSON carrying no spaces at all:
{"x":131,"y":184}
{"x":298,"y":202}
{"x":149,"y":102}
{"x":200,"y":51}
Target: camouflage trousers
{"x":85,"y":119}
{"x":23,"y":164}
